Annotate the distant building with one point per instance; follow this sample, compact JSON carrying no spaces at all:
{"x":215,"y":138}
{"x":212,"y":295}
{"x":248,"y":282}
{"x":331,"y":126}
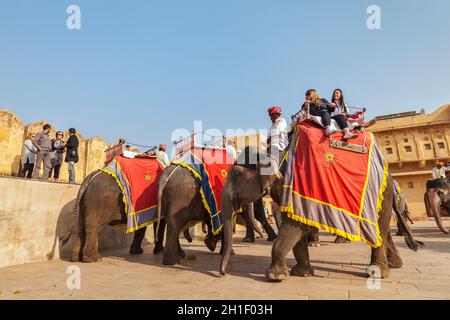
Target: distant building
{"x":412,"y":142}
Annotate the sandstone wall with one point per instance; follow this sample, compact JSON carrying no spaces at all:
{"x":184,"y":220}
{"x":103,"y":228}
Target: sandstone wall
{"x":32,"y":224}
{"x":13,"y":133}
{"x":11,"y":139}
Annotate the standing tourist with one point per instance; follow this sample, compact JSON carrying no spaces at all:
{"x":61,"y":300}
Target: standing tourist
{"x":72,"y":153}
{"x":43,"y":145}
{"x":57,"y":159}
{"x":28,"y":157}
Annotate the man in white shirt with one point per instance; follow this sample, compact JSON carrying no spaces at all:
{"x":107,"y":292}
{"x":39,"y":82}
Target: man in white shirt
{"x":162,"y":155}
{"x":278,"y":132}
{"x":439,"y":171}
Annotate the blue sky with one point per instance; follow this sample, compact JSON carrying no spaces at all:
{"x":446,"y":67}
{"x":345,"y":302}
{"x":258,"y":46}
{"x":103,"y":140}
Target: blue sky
{"x":141,"y":69}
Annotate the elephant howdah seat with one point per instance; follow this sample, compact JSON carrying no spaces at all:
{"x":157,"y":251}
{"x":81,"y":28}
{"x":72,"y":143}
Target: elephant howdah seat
{"x":333,"y":189}
{"x":305,"y":117}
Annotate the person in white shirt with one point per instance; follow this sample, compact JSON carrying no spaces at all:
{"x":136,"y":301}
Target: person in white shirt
{"x":439,"y":171}
{"x":278,"y":132}
{"x":162,"y":155}
{"x":231,"y":151}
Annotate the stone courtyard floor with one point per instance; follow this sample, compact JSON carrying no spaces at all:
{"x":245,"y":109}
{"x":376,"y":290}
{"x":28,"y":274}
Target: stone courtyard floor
{"x":339,"y":274}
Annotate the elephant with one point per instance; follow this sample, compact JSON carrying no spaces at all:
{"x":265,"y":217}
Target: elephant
{"x":180,"y":204}
{"x":435,"y":198}
{"x":244,"y":185}
{"x":99,"y":203}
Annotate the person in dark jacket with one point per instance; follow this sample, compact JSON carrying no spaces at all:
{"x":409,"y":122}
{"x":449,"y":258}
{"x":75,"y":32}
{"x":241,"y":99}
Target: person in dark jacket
{"x":72,"y":153}
{"x":316,"y":106}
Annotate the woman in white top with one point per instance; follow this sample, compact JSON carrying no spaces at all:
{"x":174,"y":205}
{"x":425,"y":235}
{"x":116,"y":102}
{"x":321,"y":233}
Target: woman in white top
{"x":28,"y":156}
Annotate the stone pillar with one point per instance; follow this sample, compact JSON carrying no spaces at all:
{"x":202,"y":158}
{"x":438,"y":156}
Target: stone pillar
{"x":95,"y":154}
{"x":11,"y":142}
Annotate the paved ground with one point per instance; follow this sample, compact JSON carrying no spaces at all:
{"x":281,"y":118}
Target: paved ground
{"x":340,"y":274}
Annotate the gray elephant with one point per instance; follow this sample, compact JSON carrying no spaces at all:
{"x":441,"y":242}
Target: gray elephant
{"x":180,"y":204}
{"x":99,"y":203}
{"x":437,"y":200}
{"x":244,"y":184}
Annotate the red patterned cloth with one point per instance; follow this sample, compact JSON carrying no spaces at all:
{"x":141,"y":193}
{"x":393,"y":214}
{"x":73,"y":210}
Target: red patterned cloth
{"x":138,"y":179}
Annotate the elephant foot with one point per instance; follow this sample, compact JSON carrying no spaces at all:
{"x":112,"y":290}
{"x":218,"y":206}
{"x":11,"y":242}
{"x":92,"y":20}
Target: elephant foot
{"x":445,"y":231}
{"x":399,"y":233}
{"x":171,"y":260}
{"x":378,"y":272}
{"x":89,"y":259}
{"x":75,"y":257}
{"x":158,"y":249}
{"x":340,"y":239}
{"x":277,"y":273}
{"x":314,"y":244}
{"x":136,"y":250}
{"x":249,"y":239}
{"x":210,"y":243}
{"x":302,"y":271}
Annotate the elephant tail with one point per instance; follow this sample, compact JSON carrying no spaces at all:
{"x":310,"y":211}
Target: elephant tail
{"x":412,"y":243}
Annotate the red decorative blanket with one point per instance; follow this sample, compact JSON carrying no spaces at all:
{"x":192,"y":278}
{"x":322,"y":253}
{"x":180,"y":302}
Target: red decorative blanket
{"x":138,"y":179}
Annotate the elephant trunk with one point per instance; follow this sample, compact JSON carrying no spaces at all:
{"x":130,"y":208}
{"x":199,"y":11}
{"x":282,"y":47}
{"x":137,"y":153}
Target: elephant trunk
{"x":432,"y":201}
{"x":251,"y":215}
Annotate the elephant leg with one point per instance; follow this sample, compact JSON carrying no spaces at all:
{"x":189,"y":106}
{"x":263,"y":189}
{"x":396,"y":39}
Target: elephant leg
{"x":260,"y":215}
{"x":181,"y":252}
{"x":249,"y":230}
{"x":187,"y":235}
{"x":289,"y":235}
{"x":301,"y":253}
{"x":159,"y":248}
{"x":171,"y":254}
{"x":268,"y":229}
{"x":276,"y":215}
{"x":90,"y":249}
{"x":393,"y":256}
{"x":78,"y":240}
{"x":313,"y":237}
{"x":136,"y":245}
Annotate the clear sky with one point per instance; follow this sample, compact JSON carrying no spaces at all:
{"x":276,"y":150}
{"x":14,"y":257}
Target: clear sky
{"x":141,"y":69}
